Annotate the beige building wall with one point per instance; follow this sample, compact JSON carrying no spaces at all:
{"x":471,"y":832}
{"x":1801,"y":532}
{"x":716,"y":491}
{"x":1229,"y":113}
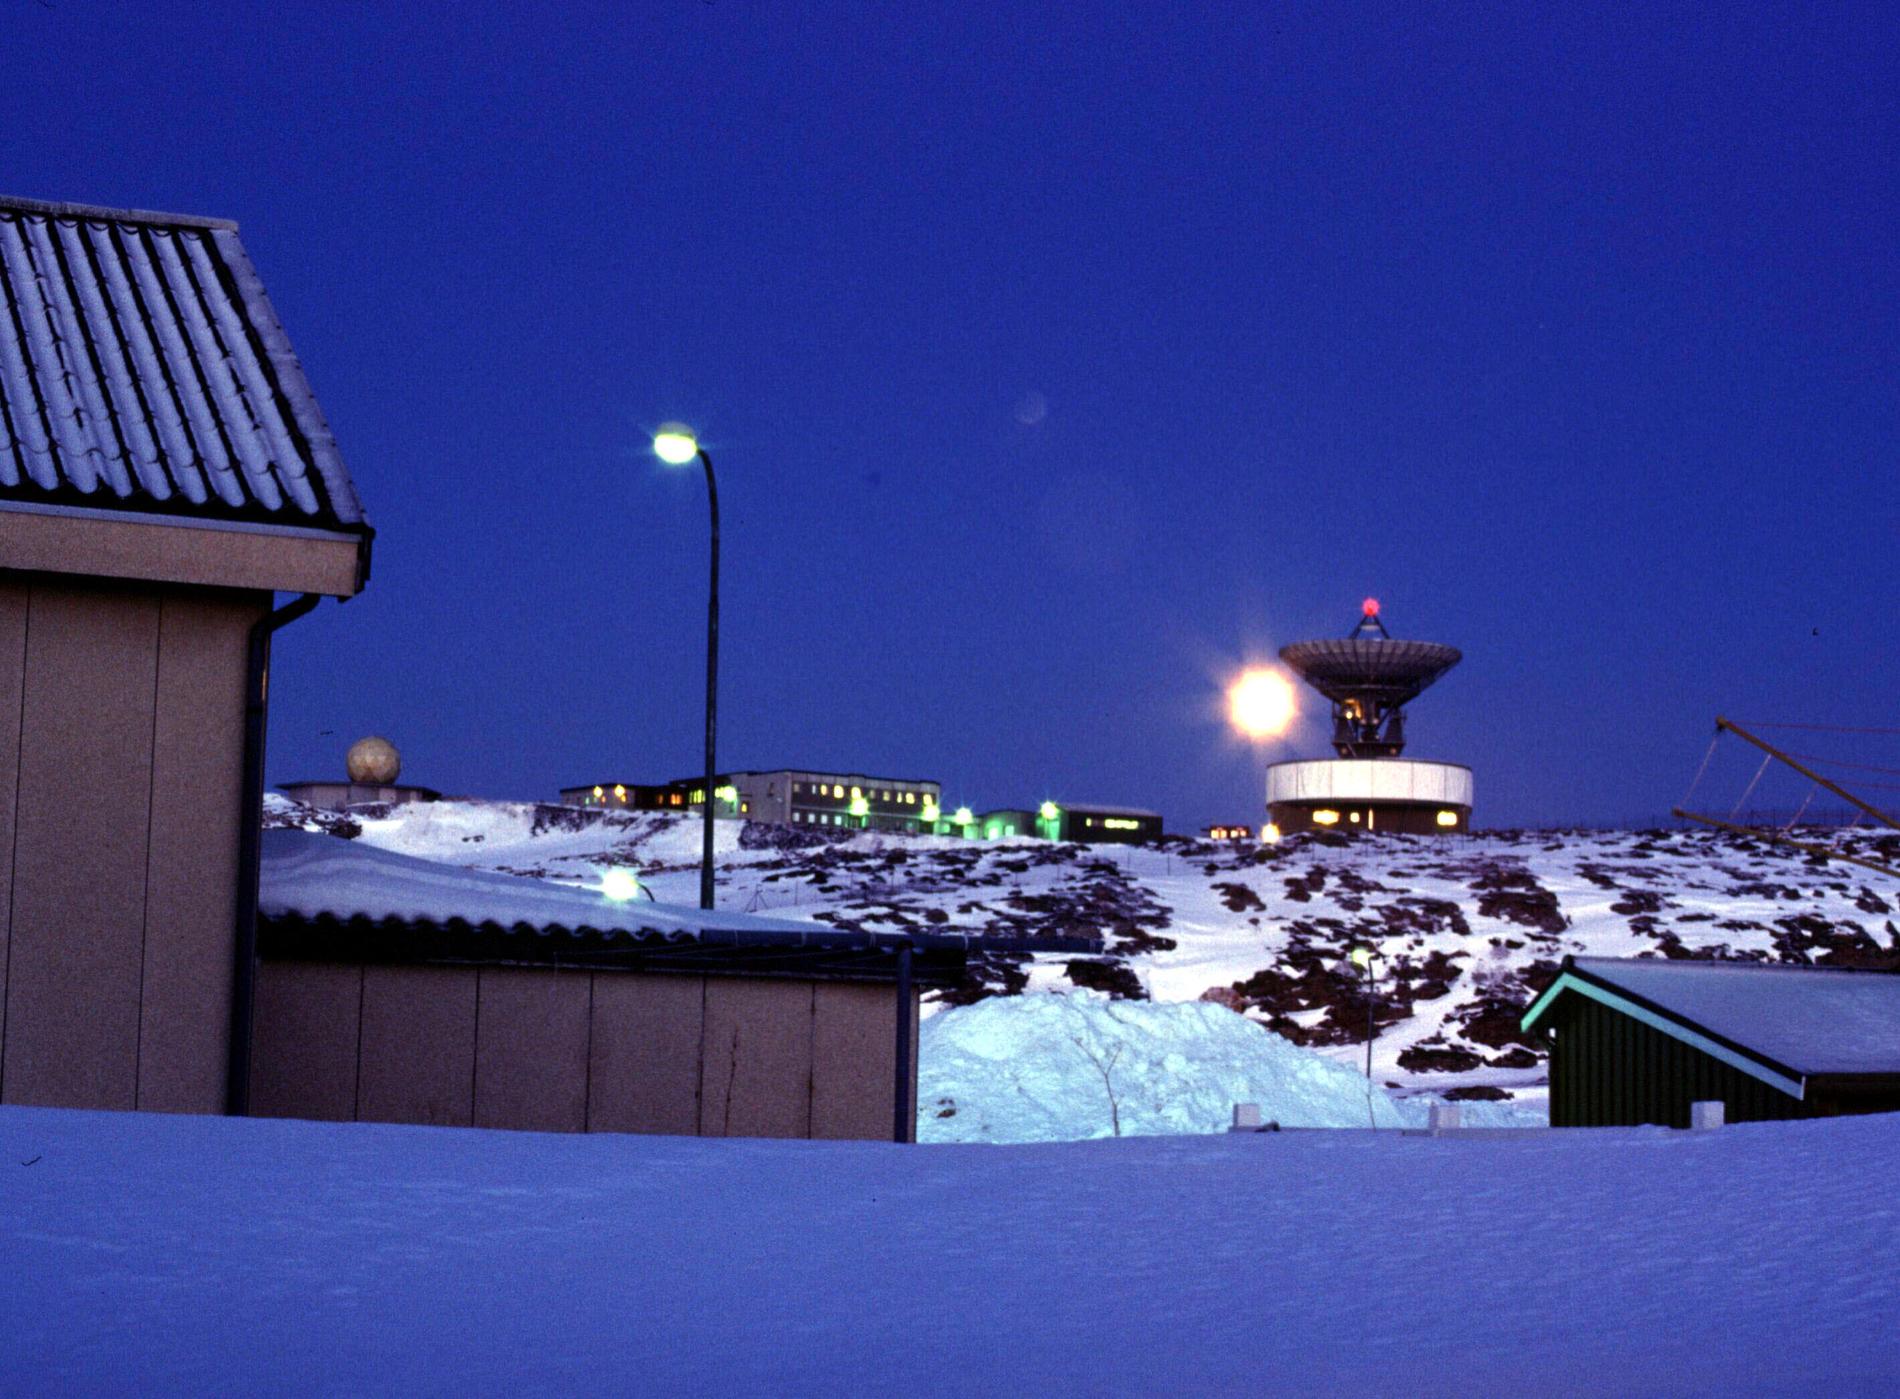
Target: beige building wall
{"x":121,"y":710}
{"x":547,"y":1049}
{"x":531,"y":1049}
{"x":643,"y":1071}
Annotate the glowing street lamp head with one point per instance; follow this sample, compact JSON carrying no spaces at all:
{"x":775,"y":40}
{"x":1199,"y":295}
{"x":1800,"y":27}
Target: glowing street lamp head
{"x":675,"y":444}
{"x":620,"y":884}
{"x":964,"y":816}
{"x":1049,"y":811}
{"x":1362,"y":957}
{"x":860,"y":806}
{"x":1260,"y":703}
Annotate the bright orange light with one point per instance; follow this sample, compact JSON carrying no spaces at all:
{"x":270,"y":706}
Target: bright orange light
{"x":1260,"y":703}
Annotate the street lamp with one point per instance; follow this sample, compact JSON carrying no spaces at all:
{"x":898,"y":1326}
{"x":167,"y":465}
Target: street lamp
{"x":1362,"y":958}
{"x":675,"y":445}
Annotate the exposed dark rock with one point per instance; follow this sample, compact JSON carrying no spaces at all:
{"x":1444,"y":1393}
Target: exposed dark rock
{"x":1438,"y":1059}
{"x":1637,"y":901}
{"x":987,"y":974}
{"x":1113,"y":977}
{"x":1512,"y":893}
{"x":1239,"y":898}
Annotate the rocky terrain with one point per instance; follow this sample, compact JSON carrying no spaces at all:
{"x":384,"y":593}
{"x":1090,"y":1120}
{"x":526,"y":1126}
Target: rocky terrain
{"x":1464,"y":929}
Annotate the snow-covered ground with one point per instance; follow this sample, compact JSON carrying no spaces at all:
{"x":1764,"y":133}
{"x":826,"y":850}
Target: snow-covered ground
{"x":154,"y":1254}
{"x":1466,"y":927}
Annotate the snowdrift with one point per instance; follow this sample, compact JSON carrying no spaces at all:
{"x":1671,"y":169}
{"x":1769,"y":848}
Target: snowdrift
{"x":1031,"y":1068}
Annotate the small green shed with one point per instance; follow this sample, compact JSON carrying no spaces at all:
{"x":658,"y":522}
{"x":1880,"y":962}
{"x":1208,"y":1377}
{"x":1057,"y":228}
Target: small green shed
{"x":1637,"y":1040}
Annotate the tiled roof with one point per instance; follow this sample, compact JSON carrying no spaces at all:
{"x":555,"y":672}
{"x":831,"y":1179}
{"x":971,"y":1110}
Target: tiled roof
{"x":142,"y":368}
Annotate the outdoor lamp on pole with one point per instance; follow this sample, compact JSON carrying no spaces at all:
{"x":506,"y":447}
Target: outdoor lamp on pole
{"x":675,"y":445}
{"x":1362,"y":957}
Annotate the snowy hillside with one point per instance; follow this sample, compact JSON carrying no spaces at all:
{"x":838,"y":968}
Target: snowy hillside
{"x":1465,"y":927}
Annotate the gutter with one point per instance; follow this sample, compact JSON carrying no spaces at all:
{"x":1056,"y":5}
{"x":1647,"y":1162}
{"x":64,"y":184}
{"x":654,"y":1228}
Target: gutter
{"x":237,"y":1082}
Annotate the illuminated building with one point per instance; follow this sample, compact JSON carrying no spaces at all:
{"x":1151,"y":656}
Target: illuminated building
{"x":1370,"y":678}
{"x":785,"y":797}
{"x":1085,"y":825}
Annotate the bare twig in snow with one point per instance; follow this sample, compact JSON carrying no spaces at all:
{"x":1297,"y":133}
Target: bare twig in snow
{"x":1105,"y":1066}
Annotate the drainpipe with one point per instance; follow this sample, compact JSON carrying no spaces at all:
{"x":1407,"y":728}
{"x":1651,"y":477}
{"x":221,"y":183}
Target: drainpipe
{"x":904,"y":1112}
{"x":237,"y":1082}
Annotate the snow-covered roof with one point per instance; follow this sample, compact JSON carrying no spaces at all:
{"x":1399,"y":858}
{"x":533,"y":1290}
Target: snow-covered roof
{"x":310,"y":875}
{"x":142,"y":368}
{"x":1805,"y":1020}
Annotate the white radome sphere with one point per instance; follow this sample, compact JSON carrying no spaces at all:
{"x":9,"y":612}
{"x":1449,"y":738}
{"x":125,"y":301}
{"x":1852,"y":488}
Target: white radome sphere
{"x":374,"y":760}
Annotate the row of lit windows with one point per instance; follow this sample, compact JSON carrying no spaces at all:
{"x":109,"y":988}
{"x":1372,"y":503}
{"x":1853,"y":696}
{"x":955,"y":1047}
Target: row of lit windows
{"x":824,"y":818}
{"x":1326,"y":817}
{"x":618,"y":796}
{"x":836,"y":791}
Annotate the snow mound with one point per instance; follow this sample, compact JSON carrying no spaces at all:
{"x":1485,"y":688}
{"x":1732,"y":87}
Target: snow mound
{"x":1030,"y":1068}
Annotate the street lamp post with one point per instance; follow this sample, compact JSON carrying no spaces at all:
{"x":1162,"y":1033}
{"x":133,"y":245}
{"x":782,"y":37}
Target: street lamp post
{"x":675,"y":445}
{"x":1362,"y":959}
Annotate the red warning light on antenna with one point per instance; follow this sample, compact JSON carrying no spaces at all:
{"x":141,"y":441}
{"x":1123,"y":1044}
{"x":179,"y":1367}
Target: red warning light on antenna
{"x":1370,"y":607}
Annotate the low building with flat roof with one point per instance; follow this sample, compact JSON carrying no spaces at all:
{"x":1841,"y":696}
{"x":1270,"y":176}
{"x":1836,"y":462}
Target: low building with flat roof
{"x":1082,"y":823}
{"x":394,"y":989}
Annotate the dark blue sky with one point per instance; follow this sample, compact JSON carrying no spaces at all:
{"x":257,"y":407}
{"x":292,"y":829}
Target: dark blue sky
{"x":1575,"y":338}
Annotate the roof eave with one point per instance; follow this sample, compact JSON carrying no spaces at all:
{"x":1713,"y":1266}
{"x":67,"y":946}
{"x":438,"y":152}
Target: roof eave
{"x":100,"y":213}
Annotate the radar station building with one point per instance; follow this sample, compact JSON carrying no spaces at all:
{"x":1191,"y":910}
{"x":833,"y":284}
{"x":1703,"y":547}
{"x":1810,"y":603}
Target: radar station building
{"x":372,"y":767}
{"x":1369,"y":677}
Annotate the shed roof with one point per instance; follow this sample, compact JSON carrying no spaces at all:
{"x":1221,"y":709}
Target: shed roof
{"x":361,"y":893}
{"x":143,"y":369}
{"x":1802,"y":1021}
{"x":315,"y":875}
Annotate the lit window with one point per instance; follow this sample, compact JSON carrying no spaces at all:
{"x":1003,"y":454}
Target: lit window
{"x":837,"y":791}
{"x":1447,"y":818}
{"x":1355,"y":818}
{"x":1324,"y":817}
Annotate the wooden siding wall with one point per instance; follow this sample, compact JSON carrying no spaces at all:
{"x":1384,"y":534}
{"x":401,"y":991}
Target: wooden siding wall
{"x":1607,"y":1070}
{"x":576,"y":1051}
{"x":121,"y":756}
